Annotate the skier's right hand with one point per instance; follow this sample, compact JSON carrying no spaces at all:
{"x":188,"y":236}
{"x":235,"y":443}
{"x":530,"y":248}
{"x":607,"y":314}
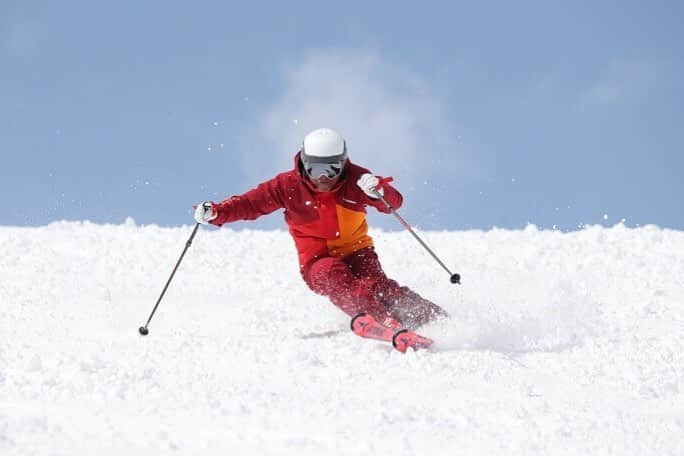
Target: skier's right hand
{"x":205,"y":212}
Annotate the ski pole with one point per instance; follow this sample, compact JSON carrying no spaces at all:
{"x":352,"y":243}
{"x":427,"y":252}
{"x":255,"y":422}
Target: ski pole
{"x":454,"y":277}
{"x":143,"y":329}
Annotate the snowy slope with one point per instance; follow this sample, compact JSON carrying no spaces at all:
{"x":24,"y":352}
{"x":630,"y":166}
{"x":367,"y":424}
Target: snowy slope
{"x":560,"y":344}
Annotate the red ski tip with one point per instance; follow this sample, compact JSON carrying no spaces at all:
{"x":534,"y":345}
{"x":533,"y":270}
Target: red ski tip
{"x":405,"y":339}
{"x":365,"y":326}
{"x":361,"y":323}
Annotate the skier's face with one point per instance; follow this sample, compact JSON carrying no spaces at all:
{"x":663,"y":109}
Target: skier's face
{"x":324,"y":183}
{"x":323,"y":175}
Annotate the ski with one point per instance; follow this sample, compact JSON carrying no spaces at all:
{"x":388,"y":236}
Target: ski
{"x":367,"y":327}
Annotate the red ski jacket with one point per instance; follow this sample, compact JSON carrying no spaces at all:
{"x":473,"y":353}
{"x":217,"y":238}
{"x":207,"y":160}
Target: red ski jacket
{"x":322,"y":224}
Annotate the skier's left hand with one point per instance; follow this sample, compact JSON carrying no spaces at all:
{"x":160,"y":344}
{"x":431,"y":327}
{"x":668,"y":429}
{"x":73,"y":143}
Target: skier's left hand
{"x":370,"y":185}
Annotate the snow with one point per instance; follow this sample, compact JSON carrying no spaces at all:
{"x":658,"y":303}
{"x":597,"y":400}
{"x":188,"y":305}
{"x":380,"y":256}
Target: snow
{"x":560,"y":343}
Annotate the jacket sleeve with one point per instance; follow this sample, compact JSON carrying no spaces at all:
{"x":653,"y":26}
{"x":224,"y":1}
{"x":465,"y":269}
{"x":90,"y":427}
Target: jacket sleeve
{"x":392,"y":196}
{"x":262,"y":200}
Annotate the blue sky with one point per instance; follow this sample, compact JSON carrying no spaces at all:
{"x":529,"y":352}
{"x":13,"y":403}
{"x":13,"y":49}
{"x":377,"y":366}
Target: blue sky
{"x":486,"y":113}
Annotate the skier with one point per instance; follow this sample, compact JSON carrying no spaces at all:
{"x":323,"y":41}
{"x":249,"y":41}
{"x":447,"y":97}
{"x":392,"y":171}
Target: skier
{"x":324,"y":198}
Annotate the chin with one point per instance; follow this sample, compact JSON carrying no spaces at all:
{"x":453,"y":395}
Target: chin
{"x":324,"y":188}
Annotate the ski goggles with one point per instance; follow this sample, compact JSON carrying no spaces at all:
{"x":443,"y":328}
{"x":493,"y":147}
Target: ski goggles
{"x":317,"y":170}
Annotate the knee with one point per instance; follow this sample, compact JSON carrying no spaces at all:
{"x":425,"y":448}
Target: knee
{"x":325,"y":275}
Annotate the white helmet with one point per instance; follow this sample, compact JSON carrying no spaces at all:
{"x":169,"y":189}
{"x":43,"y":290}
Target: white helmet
{"x":324,"y":152}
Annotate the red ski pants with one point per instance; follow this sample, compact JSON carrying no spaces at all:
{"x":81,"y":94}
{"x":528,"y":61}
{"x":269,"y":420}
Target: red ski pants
{"x":357,"y":283}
